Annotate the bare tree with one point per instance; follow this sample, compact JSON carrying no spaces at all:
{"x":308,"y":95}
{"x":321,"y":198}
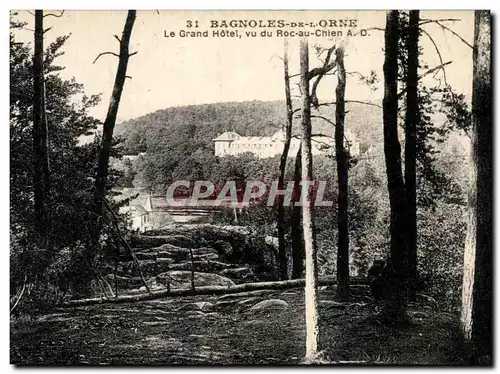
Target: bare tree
{"x":341,"y":154}
{"x":396,"y":299}
{"x":411,"y":120}
{"x":296,"y":222}
{"x":476,"y":317}
{"x":308,"y":209}
{"x":282,"y":255}
{"x":40,"y":136}
{"x":99,"y":192}
{"x":109,"y":123}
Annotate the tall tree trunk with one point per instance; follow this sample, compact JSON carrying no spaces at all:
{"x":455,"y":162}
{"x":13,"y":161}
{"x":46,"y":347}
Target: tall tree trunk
{"x":298,"y":252}
{"x":107,"y":137}
{"x":308,"y":209}
{"x":411,"y":121}
{"x":109,"y":123}
{"x":477,"y":294}
{"x":282,"y":255}
{"x":396,"y":300}
{"x":342,"y":177}
{"x":40,"y":148}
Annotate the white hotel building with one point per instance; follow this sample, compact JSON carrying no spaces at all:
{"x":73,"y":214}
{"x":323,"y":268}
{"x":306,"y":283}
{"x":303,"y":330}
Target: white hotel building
{"x":232,"y":143}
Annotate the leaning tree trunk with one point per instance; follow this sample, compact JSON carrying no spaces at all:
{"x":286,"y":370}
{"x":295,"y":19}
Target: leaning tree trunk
{"x":476,"y":319}
{"x":411,"y":121}
{"x":99,"y":192}
{"x":109,"y":123}
{"x":308,"y":209}
{"x":342,"y":177}
{"x":296,"y":222}
{"x":40,"y":148}
{"x":282,"y":255}
{"x":396,"y":299}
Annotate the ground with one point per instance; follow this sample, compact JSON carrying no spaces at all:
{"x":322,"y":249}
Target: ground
{"x":227,"y":332}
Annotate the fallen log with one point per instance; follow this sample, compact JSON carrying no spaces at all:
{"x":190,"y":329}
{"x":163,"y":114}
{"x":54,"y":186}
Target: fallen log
{"x":204,"y":290}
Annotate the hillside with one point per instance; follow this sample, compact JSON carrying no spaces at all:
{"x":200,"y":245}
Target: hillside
{"x":199,"y":124}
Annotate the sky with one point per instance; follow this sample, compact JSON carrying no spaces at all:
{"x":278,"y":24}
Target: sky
{"x":169,"y":72}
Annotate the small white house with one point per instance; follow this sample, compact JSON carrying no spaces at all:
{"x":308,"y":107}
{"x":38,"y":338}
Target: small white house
{"x":141,"y":212}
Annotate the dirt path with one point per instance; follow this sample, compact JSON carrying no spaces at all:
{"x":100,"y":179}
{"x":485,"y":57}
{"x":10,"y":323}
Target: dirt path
{"x":169,"y":332}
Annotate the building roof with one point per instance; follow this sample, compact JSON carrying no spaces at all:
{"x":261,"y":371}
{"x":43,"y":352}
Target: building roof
{"x":228,"y":135}
{"x":140,"y":210}
{"x":253,"y":140}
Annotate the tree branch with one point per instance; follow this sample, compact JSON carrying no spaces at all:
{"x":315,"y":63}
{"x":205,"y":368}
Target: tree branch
{"x":334,"y":125}
{"x":105,"y":53}
{"x":54,"y":15}
{"x":314,"y":98}
{"x":132,"y":253}
{"x":21,"y":293}
{"x":439,"y":55}
{"x":205,"y":290}
{"x":430,"y":71}
{"x":353,"y":101}
{"x":425,"y":21}
{"x":321,"y":71}
{"x":117,"y":38}
{"x":454,"y":33}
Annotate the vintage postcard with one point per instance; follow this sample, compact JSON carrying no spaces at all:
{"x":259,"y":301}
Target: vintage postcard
{"x":250,"y":187}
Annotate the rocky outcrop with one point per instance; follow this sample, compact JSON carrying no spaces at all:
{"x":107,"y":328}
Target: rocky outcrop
{"x":269,"y":305}
{"x":219,"y":256}
{"x":241,"y":273}
{"x":182,"y":279}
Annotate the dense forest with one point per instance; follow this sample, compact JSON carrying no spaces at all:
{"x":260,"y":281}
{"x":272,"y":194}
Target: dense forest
{"x":184,"y":136}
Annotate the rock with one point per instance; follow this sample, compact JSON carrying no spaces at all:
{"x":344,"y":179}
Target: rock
{"x":247,"y":294}
{"x":182,"y":254}
{"x":206,"y":256}
{"x":249,"y":300}
{"x":170,"y":248}
{"x":241,"y":273}
{"x":149,"y":267}
{"x":180,"y":241}
{"x":332,"y":304}
{"x":268,"y":305}
{"x":182,"y":266}
{"x":235,"y":304}
{"x":182,"y":279}
{"x":242,"y":305}
{"x":203,"y":306}
{"x":223,"y":247}
{"x":124,"y":282}
{"x":146,"y":255}
{"x":144,"y":242}
{"x":201,"y":266}
{"x":221,"y":305}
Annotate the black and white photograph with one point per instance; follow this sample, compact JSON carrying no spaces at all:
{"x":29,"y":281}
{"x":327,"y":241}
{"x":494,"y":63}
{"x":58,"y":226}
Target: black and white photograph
{"x":251,"y":187}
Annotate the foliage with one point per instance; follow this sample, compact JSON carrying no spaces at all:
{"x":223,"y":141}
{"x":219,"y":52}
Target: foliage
{"x":179,"y":141}
{"x":443,"y":118}
{"x":441,"y":243}
{"x":441,"y":112}
{"x":71,"y":171}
